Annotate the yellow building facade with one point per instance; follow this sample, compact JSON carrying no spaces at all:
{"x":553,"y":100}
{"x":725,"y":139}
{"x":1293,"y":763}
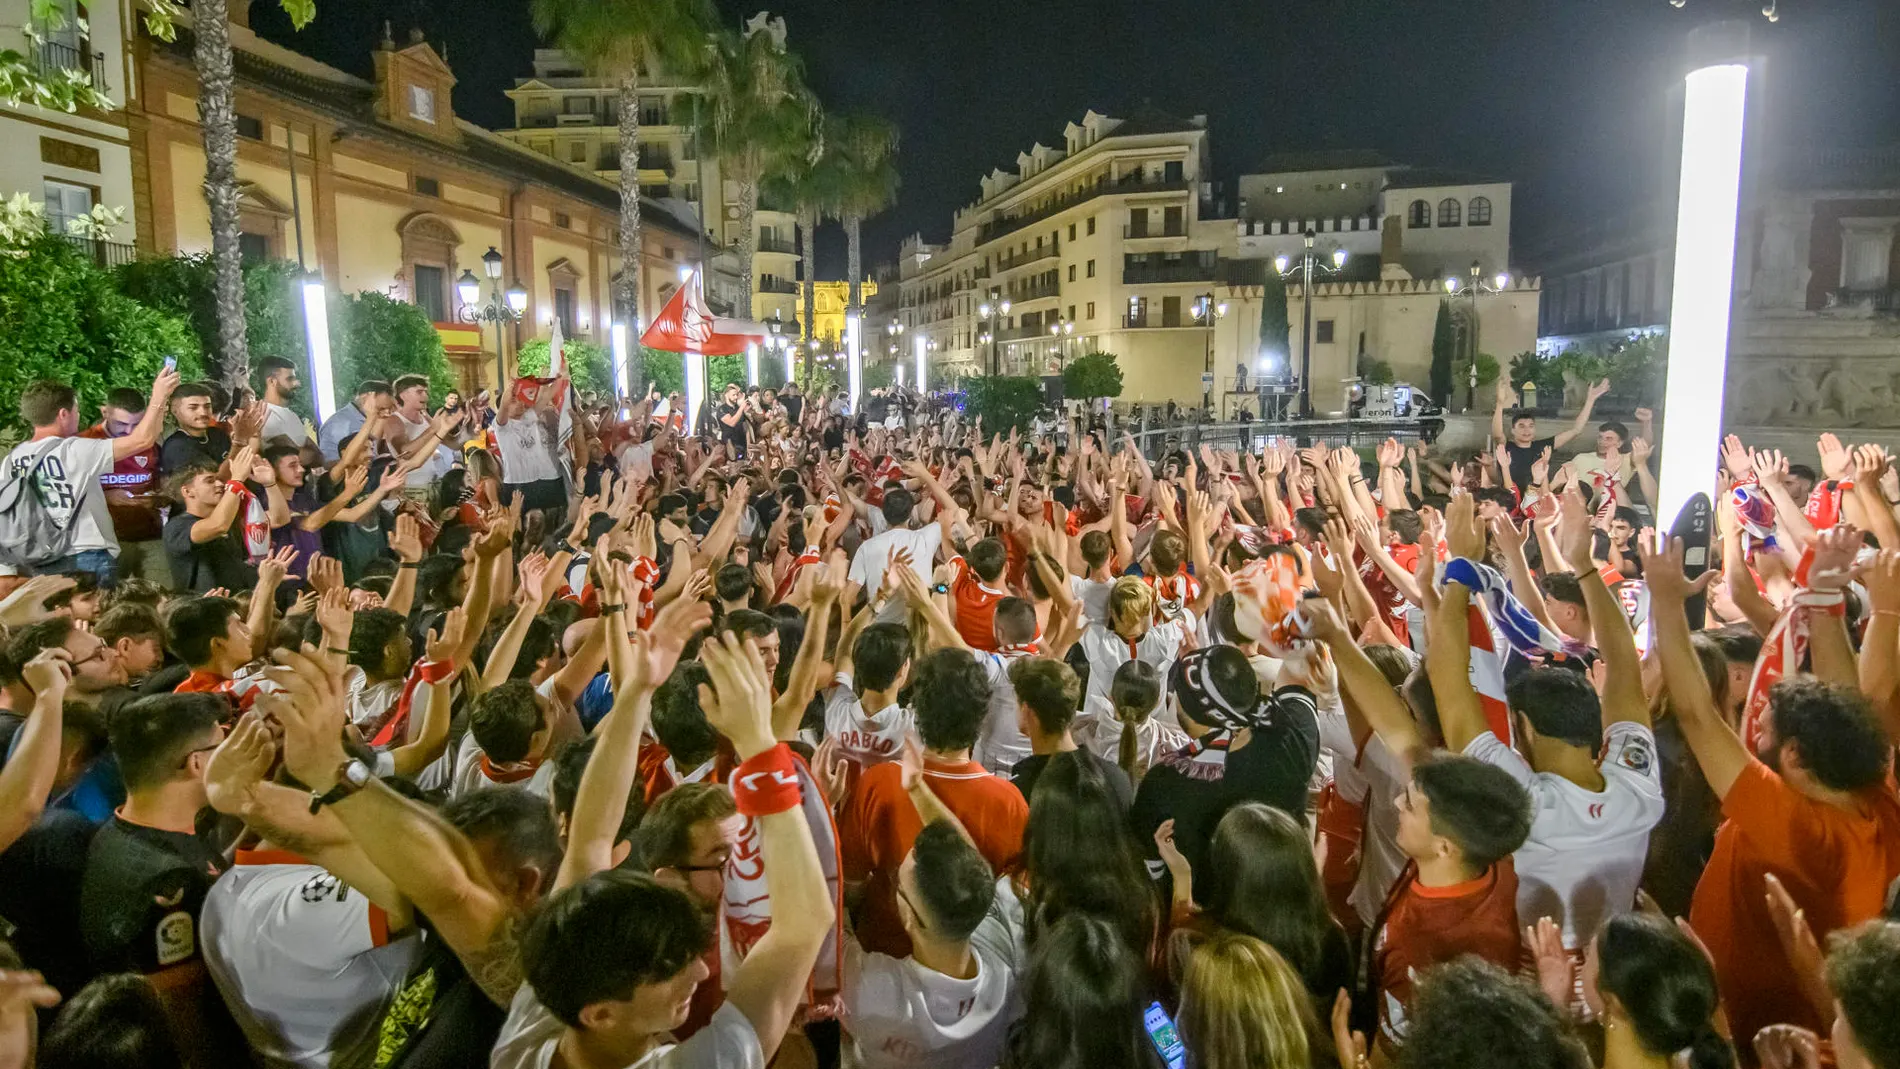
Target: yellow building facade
{"x":377,"y":186}
{"x":828,"y":303}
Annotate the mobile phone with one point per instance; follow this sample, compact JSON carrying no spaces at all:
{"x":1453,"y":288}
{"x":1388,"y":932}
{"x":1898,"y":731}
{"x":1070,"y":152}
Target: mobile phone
{"x":171,"y":363}
{"x":1165,"y":1037}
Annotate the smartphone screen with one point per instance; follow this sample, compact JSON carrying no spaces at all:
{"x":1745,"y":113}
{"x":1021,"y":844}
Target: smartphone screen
{"x":1162,"y":1033}
{"x":171,"y":363}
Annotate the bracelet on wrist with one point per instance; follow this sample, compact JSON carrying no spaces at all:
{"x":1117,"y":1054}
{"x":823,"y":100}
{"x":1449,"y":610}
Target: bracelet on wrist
{"x":609,"y":610}
{"x":339,"y":652}
{"x":409,"y":564}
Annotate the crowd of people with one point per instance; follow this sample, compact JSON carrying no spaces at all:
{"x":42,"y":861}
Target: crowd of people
{"x":546,"y":734}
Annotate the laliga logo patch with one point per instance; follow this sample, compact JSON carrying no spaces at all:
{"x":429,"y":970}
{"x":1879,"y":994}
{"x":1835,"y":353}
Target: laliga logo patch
{"x":177,"y":939}
{"x":1636,"y":755}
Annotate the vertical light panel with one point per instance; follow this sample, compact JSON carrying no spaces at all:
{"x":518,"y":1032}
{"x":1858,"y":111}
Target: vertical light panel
{"x":923,"y":357}
{"x":1712,"y":124}
{"x":618,"y":335}
{"x":854,"y":360}
{"x":791,"y":374}
{"x":695,"y":389}
{"x":316,"y":325}
{"x":752,"y":363}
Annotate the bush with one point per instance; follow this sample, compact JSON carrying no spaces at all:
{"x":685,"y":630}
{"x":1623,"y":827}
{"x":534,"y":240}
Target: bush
{"x":1487,"y":371}
{"x":590,"y":366}
{"x":1545,"y":372}
{"x":62,"y":317}
{"x":1004,"y":401}
{"x":1635,"y":368}
{"x":1376,"y":372}
{"x":373,"y":336}
{"x":273,"y":314}
{"x":1092,"y":375}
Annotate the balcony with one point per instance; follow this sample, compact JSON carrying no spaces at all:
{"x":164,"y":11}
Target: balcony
{"x":55,"y":56}
{"x":1198,"y":267}
{"x":996,"y":228}
{"x":1035,"y":290}
{"x":1885,"y":301}
{"x":777,"y":245}
{"x":775,"y":285}
{"x":104,"y":253}
{"x":1010,"y":263}
{"x":1135,"y":233}
{"x":1157,"y":320}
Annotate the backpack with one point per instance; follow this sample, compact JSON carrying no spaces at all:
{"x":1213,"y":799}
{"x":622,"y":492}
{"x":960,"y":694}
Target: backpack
{"x":29,"y":535}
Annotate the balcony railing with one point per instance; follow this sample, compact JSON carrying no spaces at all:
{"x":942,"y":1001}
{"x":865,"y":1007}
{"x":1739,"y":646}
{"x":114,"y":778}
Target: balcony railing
{"x":773,"y":285}
{"x":1153,"y":320}
{"x":55,"y":56}
{"x":1036,"y":290}
{"x":104,"y":253}
{"x":777,"y":245}
{"x":1173,"y":230}
{"x":996,"y":228}
{"x":1010,"y":263}
{"x":1879,"y":300}
{"x":1188,"y":269}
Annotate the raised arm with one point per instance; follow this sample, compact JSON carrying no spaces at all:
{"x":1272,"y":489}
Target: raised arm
{"x":789,"y":708}
{"x":1582,"y":422}
{"x":145,"y":435}
{"x":1880,"y":645}
{"x":1510,"y":538}
{"x":1718,"y":750}
{"x":432,"y":730}
{"x":27,"y":777}
{"x":1448,"y":648}
{"x":1828,"y":574}
{"x":1623,"y":697}
{"x":263,"y":612}
{"x":1372,"y":706}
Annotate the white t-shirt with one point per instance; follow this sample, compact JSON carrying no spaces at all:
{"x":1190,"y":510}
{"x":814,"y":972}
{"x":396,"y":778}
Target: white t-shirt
{"x":469,"y":774}
{"x":1001,"y":742}
{"x":303,"y":960}
{"x":530,"y":1034}
{"x":866,"y":740}
{"x":1585,"y":853}
{"x":867,"y":568}
{"x":1093,"y":594}
{"x":1099,"y":731}
{"x":281,"y":422}
{"x":432,"y":467}
{"x":527,"y":450}
{"x":1107,"y":651}
{"x":69,"y":486}
{"x":1375,"y":781}
{"x":902,"y":1015}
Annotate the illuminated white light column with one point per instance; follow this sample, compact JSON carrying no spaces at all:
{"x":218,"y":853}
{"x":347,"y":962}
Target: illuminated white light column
{"x":618,"y":335}
{"x":695,"y":388}
{"x":1712,"y":124}
{"x":791,"y":373}
{"x":751,"y":363}
{"x":316,"y":325}
{"x":923,"y":358}
{"x":854,"y":361}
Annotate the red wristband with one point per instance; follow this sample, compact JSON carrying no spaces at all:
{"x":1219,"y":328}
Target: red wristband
{"x":436,"y":671}
{"x":766,"y":784}
{"x":237,"y":487}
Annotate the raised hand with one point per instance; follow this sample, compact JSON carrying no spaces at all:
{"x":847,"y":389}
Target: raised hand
{"x":1640,"y":450}
{"x":1834,"y":553}
{"x":1171,"y":855}
{"x":27,"y":604}
{"x":738,"y":703}
{"x":1506,"y":535}
{"x":444,"y":642}
{"x":1575,"y":537}
{"x":1788,"y":1046}
{"x":261,"y":471}
{"x":312,"y":714}
{"x":1464,"y":532}
{"x":1771,"y":468}
{"x":1350,"y":1046}
{"x":1555,"y":974}
{"x":1870,"y":464}
{"x":1599,"y":388}
{"x":243,"y":462}
{"x":49,"y":672}
{"x":1883,"y":581}
{"x":533,"y":588}
{"x":1662,"y":573}
{"x":326,"y":573}
{"x":406,"y":540}
{"x":1837,"y":462}
{"x":1540,"y":468}
{"x":333,"y":616}
{"x":1736,"y":456}
{"x":272,"y":570}
{"x":242,"y":760}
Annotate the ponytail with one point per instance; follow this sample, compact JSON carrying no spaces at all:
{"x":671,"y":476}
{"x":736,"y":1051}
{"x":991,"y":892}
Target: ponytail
{"x":1709,"y":1050}
{"x":1125,"y":753}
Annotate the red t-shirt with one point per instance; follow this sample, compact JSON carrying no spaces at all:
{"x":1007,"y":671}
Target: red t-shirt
{"x":138,"y":475}
{"x":976,"y":607}
{"x":1836,"y":864}
{"x":1385,"y":593}
{"x":657,"y":776}
{"x":1423,"y":926}
{"x":879,"y":823}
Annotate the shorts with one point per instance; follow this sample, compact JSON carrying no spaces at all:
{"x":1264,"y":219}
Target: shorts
{"x":543,"y":494}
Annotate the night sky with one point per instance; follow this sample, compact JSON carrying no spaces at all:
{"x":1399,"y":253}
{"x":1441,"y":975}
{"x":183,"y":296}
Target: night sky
{"x":1568,"y":98}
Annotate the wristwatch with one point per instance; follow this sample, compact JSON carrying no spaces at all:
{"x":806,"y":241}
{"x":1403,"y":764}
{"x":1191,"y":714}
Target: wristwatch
{"x":351,"y":776}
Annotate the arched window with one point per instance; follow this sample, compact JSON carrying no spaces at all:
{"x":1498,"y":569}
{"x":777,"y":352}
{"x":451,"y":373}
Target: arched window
{"x":1479,"y":213}
{"x":1421,"y":216}
{"x":1448,"y":212}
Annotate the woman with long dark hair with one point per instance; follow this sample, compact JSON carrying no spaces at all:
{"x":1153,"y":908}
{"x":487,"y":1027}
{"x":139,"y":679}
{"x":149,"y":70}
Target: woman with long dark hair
{"x":1654,"y":990}
{"x":1084,"y":994}
{"x":1080,"y":857}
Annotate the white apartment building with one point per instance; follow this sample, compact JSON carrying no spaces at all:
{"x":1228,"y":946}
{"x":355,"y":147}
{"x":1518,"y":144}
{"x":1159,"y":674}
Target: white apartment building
{"x":73,"y":163}
{"x":564,"y":113}
{"x":1107,"y":241}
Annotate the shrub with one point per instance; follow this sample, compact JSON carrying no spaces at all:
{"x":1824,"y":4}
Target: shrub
{"x":1092,"y":375}
{"x":590,"y":366}
{"x":1004,"y":401}
{"x":373,"y":336}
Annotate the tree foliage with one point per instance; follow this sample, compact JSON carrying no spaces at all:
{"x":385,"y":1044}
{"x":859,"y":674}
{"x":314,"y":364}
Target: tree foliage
{"x":1636,"y":369}
{"x":590,"y":366}
{"x":1444,"y":346}
{"x":1003,"y":401}
{"x":63,"y":318}
{"x":1092,"y":375}
{"x":374,"y":336}
{"x":183,"y":285}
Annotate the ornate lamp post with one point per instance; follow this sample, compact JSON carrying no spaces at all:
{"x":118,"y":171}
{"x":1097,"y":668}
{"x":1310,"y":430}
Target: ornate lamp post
{"x":1306,"y":269}
{"x":502,"y":306}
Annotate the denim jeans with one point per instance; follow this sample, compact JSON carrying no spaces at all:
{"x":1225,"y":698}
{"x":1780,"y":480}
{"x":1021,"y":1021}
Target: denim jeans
{"x":99,"y":562}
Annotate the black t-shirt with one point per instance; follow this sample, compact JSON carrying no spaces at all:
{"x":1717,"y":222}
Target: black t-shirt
{"x":202,"y":566}
{"x":1025,"y":772}
{"x":40,"y":878}
{"x":141,"y":895}
{"x":794,"y":406}
{"x":1274,"y":767}
{"x":439,"y":1017}
{"x":733,"y":433}
{"x":182,"y":450}
{"x":1523,"y":456}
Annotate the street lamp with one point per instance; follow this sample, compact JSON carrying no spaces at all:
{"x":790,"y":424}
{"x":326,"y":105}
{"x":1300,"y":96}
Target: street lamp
{"x":1208,"y":311}
{"x":1305,"y":269}
{"x":502,"y":306}
{"x":1498,"y":283}
{"x":1062,"y":330}
{"x":992,"y":312}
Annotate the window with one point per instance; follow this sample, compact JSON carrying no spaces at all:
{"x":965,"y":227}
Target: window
{"x":1420,"y":215}
{"x":1091,"y":269}
{"x":1091,"y":226}
{"x":1449,"y":211}
{"x":65,"y":201}
{"x":1071,"y":272}
{"x":422,"y":103}
{"x":1479,"y":213}
{"x":1171,"y":171}
{"x":1170,"y":311}
{"x":253,"y":248}
{"x":1137,"y":222}
{"x":1173,"y":222}
{"x":251,"y":127}
{"x":562,"y":220}
{"x":1071,"y":231}
{"x":1323,"y":332}
{"x":1072,"y":313}
{"x":669,"y":252}
{"x":431,"y":293}
{"x":564,"y":311}
{"x":577,"y":152}
{"x":578,"y":105}
{"x":428,"y":187}
{"x":545,"y":146}
{"x":1091,"y":307}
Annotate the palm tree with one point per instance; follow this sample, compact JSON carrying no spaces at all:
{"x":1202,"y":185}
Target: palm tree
{"x":763,"y":122}
{"x":867,"y":151}
{"x":217,"y":119}
{"x":616,"y":39}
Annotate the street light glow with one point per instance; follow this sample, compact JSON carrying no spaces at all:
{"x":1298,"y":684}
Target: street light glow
{"x":1712,"y":122}
{"x":923,"y":359}
{"x":1339,"y":259}
{"x":1281,"y":263}
{"x":854,"y":360}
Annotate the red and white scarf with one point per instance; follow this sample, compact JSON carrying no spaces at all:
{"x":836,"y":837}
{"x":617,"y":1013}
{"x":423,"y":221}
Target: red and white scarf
{"x":807,"y":556}
{"x":746,"y":908}
{"x":1782,"y":652}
